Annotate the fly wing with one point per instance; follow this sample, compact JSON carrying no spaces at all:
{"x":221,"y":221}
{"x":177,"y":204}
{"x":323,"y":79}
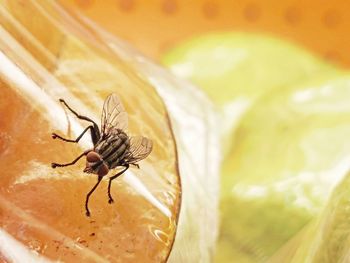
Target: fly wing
{"x":140,"y":148}
{"x":114,"y":115}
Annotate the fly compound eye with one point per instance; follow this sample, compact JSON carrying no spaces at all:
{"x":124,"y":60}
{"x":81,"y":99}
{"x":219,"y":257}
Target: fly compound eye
{"x":103,"y":170}
{"x":93,"y":157}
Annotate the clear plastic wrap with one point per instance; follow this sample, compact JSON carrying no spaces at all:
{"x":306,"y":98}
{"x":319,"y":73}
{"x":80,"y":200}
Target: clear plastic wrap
{"x":47,"y":54}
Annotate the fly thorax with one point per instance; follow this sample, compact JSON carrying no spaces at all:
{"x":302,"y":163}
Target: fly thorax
{"x":114,"y":148}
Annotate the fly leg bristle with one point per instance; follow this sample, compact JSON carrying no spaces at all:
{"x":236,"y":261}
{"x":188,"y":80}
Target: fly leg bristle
{"x":54,"y":165}
{"x":88,"y":195}
{"x":110,"y":199}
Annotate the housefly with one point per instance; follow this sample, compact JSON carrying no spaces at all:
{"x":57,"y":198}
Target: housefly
{"x":113,"y":147}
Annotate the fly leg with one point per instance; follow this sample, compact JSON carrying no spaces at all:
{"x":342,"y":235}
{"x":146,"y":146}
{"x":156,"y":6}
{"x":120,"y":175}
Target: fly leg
{"x":95,"y":132}
{"x":56,"y":136}
{"x":54,"y":165}
{"x":136,"y":165}
{"x":110,"y":200}
{"x":88,"y":195}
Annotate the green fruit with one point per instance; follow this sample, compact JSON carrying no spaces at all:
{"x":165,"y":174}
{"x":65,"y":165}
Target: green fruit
{"x":228,"y":66}
{"x":286,"y":121}
{"x":290,"y":150}
{"x":327,"y":238}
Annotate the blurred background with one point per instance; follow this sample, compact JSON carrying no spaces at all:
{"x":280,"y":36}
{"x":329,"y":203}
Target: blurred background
{"x":156,"y":26}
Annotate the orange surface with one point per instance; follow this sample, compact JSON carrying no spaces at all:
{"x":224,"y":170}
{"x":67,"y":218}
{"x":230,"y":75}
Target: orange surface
{"x":46,"y":212}
{"x":155,"y":26}
{"x":43,"y":208}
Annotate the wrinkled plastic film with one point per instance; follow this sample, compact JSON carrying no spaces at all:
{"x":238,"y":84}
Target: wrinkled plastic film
{"x":38,"y":68}
{"x":194,"y":123}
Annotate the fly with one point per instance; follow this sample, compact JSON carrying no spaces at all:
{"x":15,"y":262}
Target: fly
{"x":112,"y":146}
